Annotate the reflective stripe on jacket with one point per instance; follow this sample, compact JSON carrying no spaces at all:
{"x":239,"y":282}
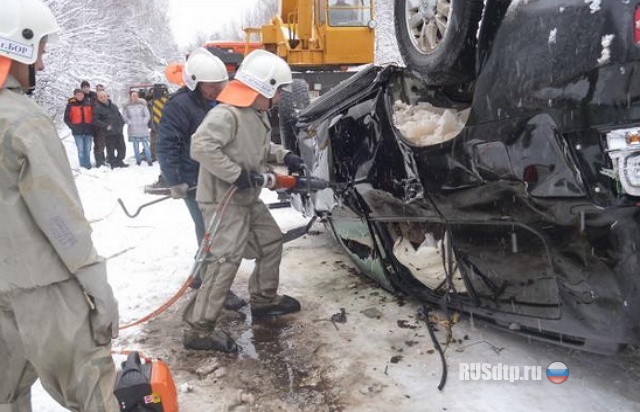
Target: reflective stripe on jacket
{"x":156,"y":107}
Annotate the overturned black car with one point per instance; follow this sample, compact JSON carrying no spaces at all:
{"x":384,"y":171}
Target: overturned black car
{"x":519,"y":202}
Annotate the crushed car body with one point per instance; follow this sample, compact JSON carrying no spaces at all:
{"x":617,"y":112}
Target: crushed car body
{"x":523,"y":209}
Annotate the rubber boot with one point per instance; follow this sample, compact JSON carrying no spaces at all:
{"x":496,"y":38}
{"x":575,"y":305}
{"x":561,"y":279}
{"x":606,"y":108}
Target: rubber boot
{"x":281,"y":305}
{"x":208,"y":340}
{"x":233,"y":301}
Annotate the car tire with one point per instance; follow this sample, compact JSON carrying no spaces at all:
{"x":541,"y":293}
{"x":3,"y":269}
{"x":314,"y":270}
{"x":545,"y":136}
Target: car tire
{"x":441,"y":48}
{"x":291,"y":102}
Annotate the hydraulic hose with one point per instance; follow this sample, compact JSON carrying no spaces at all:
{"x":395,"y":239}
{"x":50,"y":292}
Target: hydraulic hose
{"x":200,"y":256}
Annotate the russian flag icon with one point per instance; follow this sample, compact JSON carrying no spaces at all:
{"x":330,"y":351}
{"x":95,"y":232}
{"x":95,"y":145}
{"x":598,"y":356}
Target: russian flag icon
{"x":557,"y":372}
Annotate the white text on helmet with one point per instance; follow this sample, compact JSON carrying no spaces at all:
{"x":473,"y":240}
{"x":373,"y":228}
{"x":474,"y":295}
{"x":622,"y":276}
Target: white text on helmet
{"x":16,"y":49}
{"x":257,"y":84}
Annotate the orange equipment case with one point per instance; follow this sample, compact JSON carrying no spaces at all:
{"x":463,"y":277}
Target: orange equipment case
{"x":146,"y":386}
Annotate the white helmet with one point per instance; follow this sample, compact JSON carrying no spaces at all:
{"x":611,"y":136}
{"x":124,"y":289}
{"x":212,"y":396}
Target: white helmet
{"x":202,"y":66}
{"x":264,"y":72}
{"x":23,"y":24}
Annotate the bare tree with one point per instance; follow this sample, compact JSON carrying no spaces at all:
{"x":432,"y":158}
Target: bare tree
{"x":120,"y":42}
{"x":114,"y":42}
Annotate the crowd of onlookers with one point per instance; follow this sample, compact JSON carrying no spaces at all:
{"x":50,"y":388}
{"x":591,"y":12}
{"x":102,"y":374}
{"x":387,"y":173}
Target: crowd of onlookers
{"x":94,"y":118}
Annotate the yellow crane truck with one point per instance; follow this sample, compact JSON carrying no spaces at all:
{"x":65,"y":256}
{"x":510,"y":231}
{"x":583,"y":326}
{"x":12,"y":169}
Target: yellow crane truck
{"x":320,"y":39}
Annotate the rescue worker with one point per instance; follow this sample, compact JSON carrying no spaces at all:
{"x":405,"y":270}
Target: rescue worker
{"x":204,"y":75}
{"x":57,"y":310}
{"x":234,"y":141}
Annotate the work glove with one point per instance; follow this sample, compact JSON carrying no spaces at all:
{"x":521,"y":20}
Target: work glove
{"x":293,"y":162}
{"x":179,"y":191}
{"x":103,"y":314}
{"x":247,"y":180}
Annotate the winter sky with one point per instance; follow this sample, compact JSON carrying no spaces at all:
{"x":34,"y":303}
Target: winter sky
{"x":190,"y":17}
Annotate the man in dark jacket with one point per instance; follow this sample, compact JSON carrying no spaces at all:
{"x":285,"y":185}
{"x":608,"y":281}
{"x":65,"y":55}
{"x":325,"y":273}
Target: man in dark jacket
{"x":109,"y":122}
{"x":181,"y":116}
{"x":78,"y":116}
{"x":91,"y":98}
{"x":205,"y":76}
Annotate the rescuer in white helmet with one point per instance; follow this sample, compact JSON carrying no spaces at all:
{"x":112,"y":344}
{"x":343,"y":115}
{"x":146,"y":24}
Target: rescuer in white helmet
{"x":204,"y":76}
{"x":233,"y":141}
{"x":57,"y":310}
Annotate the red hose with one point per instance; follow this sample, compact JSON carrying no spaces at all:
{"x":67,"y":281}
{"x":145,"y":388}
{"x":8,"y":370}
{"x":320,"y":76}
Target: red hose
{"x":211,"y":230}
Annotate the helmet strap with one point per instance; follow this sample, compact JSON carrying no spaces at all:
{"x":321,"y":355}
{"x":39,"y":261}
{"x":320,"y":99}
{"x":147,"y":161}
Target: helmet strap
{"x":32,"y":79}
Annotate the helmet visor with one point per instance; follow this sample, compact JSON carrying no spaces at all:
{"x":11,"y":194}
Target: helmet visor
{"x":5,"y":65}
{"x":285,"y":87}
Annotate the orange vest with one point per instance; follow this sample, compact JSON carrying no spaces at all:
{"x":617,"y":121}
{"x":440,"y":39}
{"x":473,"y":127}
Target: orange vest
{"x":80,"y":114}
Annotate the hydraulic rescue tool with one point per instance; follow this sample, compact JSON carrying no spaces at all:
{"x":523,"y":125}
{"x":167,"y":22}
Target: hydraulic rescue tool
{"x":291,"y":183}
{"x":288,"y":183}
{"x":149,"y":385}
{"x":298,"y":184}
{"x":142,"y":206}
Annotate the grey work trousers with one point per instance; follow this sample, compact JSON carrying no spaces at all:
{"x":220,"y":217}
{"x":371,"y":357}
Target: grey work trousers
{"x":244,"y":231}
{"x":45,"y":333}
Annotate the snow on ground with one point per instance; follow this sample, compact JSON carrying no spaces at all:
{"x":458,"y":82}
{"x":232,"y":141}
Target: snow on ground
{"x":378,"y":361}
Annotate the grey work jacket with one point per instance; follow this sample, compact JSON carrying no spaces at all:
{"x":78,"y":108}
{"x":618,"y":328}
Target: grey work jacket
{"x":44,"y":236}
{"x":228,"y":140}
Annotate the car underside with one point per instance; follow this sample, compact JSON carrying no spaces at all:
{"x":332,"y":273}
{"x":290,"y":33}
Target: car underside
{"x":511,"y":195}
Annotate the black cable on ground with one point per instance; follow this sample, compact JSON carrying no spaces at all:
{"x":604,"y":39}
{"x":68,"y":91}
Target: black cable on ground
{"x":436,"y":344}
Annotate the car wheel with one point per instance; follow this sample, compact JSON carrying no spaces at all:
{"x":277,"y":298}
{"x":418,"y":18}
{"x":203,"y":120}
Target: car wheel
{"x":437,"y":38}
{"x":291,"y":102}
